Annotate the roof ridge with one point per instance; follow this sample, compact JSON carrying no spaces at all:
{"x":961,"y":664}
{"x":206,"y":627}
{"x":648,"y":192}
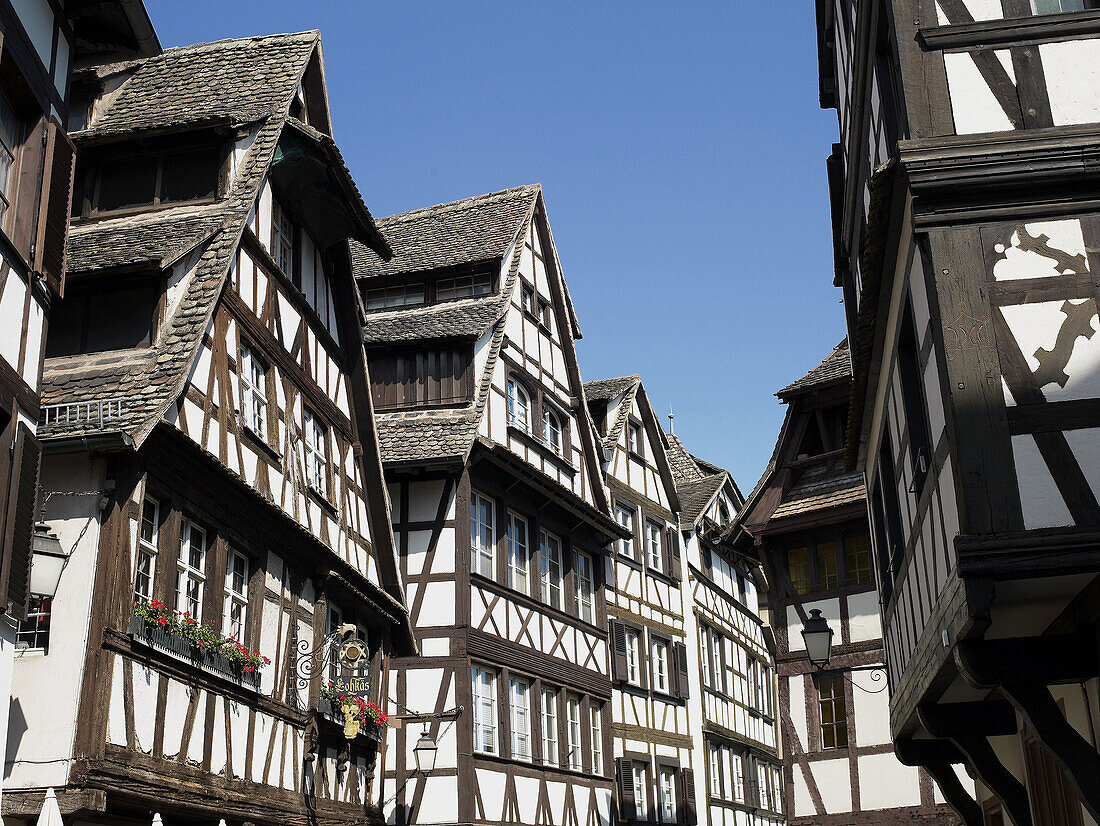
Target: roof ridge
{"x":454,"y":206}
{"x":307,"y":34}
{"x":614,"y":378}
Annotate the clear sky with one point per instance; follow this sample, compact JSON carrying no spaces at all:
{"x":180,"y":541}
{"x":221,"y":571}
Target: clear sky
{"x":680,"y":147}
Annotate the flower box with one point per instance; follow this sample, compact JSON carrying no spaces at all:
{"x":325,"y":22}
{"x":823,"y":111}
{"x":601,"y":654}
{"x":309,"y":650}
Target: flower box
{"x":372,"y":730}
{"x":179,"y":647}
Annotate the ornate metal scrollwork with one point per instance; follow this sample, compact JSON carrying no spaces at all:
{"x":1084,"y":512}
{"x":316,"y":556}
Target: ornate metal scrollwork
{"x":311,"y":662}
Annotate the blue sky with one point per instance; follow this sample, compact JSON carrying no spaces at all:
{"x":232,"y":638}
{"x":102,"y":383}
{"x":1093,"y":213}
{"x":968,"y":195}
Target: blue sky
{"x":680,"y":147}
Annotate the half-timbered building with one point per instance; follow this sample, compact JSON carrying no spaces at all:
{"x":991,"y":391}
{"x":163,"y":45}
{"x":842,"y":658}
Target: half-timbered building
{"x":210,"y":453}
{"x":40,"y":42}
{"x":500,"y":514}
{"x":645,"y":609}
{"x":966,"y":237}
{"x":807,"y":521}
{"x":731,"y":663}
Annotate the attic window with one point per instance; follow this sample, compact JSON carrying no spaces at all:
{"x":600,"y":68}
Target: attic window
{"x":105,"y":314}
{"x":130,"y":177}
{"x":463,"y":286}
{"x":403,"y":295}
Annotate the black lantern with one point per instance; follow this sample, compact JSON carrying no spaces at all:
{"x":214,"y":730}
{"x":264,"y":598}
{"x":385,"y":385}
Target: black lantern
{"x":818,"y":637}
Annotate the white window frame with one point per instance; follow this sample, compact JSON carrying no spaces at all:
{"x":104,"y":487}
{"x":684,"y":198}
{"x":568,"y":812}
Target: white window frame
{"x":641,"y":790}
{"x":485,"y":710}
{"x":29,"y":633}
{"x":714,"y":755}
{"x":187,"y":572}
{"x":252,"y":375}
{"x":704,"y":655}
{"x":549,"y":711}
{"x":550,"y":578}
{"x":633,"y":657}
{"x":235,"y":599}
{"x":574,"y":759}
{"x":519,"y":545}
{"x":519,"y":715}
{"x":737,"y":768}
{"x":552,"y":431}
{"x":595,"y":720}
{"x":717,"y":657}
{"x":519,"y":405}
{"x":145,"y":563}
{"x":584,"y":588}
{"x":634,"y":438}
{"x":483,"y":553}
{"x":659,"y":663}
{"x":315,"y":442}
{"x":282,"y":238}
{"x":653,"y":545}
{"x":666,"y":794}
{"x":625,"y":517}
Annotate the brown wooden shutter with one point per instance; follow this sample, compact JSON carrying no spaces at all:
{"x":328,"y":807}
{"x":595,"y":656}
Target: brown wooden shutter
{"x":624,"y":771}
{"x":618,"y":650}
{"x":680,"y":658}
{"x":687,"y":815}
{"x":54,"y":207}
{"x":672,"y":554}
{"x":15,"y":568}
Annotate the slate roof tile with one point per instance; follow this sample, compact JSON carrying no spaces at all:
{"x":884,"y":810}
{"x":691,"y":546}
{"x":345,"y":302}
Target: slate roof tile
{"x":464,"y":318}
{"x":608,"y":389}
{"x":697,"y":481}
{"x":835,"y":368}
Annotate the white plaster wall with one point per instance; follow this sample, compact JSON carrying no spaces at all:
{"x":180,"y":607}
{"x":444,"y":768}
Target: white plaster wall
{"x":1072,"y":71}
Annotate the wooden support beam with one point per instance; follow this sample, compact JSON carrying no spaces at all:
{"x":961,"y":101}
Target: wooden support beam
{"x":922,"y":752}
{"x":936,"y":757}
{"x":988,"y":718}
{"x":997,"y":778}
{"x":27,"y":805}
{"x":1048,"y":660}
{"x":1063,"y":742}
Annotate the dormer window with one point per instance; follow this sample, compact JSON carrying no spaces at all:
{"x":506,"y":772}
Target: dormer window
{"x":463,"y":286}
{"x":519,"y":406}
{"x":403,"y":295}
{"x":107,"y":312}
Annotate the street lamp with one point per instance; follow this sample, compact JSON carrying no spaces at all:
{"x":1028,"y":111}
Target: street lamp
{"x":424,"y":752}
{"x":818,"y":637}
{"x":47,"y":562}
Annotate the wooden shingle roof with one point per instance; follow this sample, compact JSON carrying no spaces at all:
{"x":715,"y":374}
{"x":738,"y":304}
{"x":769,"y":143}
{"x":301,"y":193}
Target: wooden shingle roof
{"x":835,"y":368}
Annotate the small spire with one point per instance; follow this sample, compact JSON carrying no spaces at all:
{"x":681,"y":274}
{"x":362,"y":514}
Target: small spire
{"x":671,"y":416}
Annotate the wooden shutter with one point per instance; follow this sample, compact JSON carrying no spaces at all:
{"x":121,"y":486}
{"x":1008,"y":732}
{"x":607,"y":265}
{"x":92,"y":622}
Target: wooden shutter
{"x":618,"y":650}
{"x":15,"y":568}
{"x":672,"y":554}
{"x":687,"y":815}
{"x":54,"y":206}
{"x":680,"y":658}
{"x":624,"y":771}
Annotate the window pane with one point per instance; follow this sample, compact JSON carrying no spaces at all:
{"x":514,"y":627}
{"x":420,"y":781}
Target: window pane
{"x":126,"y":183}
{"x":188,"y":176}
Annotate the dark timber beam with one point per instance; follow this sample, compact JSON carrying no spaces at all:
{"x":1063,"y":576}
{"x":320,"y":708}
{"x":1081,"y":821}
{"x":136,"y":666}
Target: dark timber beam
{"x":1046,"y":660}
{"x":967,"y":726}
{"x":1063,"y":742}
{"x":936,"y":757}
{"x":987,"y":718}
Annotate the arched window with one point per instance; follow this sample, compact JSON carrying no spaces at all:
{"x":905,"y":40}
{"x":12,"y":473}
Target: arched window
{"x":551,"y":430}
{"x":519,"y":406}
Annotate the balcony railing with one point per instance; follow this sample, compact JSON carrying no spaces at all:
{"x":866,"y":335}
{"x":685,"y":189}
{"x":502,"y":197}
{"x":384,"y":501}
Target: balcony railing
{"x":88,"y":414}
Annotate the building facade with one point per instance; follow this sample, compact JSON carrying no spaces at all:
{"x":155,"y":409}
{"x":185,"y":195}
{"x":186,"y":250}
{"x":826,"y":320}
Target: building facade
{"x":965,"y":233}
{"x":500,"y":514}
{"x":210,"y":462}
{"x":807,"y":518}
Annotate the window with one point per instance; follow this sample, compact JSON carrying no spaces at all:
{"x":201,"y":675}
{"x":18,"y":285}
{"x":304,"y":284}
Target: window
{"x":666,"y":794}
{"x":834,"y":713}
{"x":913,"y":401}
{"x":551,"y":431}
{"x":145,"y":563}
{"x":517,"y":552}
{"x":857,"y":559}
{"x":827,"y":575}
{"x":485,"y":710}
{"x":546,"y":313}
{"x":633,"y":658}
{"x":482,"y":545}
{"x":253,"y":378}
{"x":723,"y":514}
{"x":519,"y":406}
{"x":34,"y":632}
{"x":549,"y":727}
{"x":704,"y":655}
{"x":316,"y":454}
{"x":634,"y":438}
{"x":595,"y":714}
{"x":190,"y":569}
{"x":737,"y":774}
{"x":798,"y":563}
{"x":660,"y":666}
{"x":625,"y":517}
{"x":583,"y":587}
{"x":550,"y":569}
{"x":426,"y":376}
{"x":11,"y":135}
{"x":97,"y":317}
{"x":573,"y":731}
{"x":520,"y":715}
{"x":641,"y":799}
{"x":715,"y":760}
{"x":283,"y":236}
{"x":717,"y":660}
{"x":463,"y":286}
{"x":1055,"y":6}
{"x":527,"y":300}
{"x":236,"y":596}
{"x":404,"y":295}
{"x":653,"y":545}
{"x":131,"y":177}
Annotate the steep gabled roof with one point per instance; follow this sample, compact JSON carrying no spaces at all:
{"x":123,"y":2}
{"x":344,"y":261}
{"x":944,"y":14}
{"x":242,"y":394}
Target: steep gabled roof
{"x":834,"y":369}
{"x":697,"y":482}
{"x":470,"y":231}
{"x":235,"y":81}
{"x":604,"y":390}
